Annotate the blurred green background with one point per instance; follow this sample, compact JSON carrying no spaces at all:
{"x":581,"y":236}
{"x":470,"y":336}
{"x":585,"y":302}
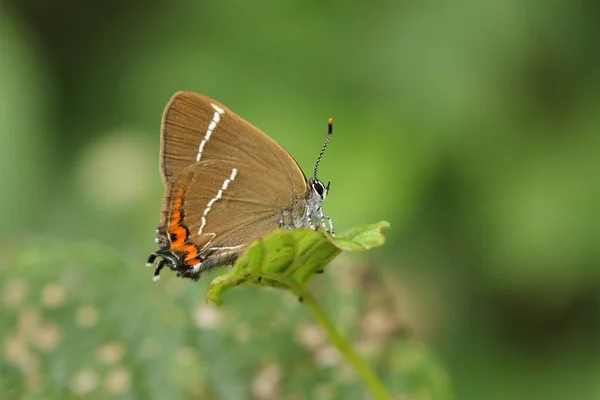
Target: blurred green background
{"x":473,"y":127}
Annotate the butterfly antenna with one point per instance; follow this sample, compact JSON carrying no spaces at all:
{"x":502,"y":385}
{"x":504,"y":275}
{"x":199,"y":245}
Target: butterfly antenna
{"x":330,"y":132}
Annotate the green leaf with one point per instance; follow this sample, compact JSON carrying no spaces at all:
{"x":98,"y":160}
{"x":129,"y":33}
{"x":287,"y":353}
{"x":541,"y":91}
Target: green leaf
{"x":287,"y":259}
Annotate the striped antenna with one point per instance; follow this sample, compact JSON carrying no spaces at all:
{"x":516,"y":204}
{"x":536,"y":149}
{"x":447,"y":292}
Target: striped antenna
{"x":330,"y":132}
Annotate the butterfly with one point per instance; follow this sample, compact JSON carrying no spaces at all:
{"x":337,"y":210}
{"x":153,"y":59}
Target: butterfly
{"x":227,"y":184}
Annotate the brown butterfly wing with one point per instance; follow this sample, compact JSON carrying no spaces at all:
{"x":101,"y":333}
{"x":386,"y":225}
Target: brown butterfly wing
{"x":197,"y":128}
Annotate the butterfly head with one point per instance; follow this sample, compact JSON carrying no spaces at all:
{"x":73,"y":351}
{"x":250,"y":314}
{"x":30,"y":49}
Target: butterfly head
{"x":318,"y":190}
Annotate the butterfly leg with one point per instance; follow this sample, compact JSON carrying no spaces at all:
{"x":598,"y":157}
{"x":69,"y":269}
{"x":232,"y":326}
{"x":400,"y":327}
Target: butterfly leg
{"x":330,"y":225}
{"x":160,"y":266}
{"x":151,"y":259}
{"x":326,"y":217}
{"x":322,"y":216}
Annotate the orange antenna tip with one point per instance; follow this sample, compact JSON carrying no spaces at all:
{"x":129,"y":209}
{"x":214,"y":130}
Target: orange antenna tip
{"x":329,"y":133}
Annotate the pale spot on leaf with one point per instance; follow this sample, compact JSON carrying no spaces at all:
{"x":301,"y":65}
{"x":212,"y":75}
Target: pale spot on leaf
{"x":117,"y":381}
{"x":16,"y":351}
{"x":53,"y":296}
{"x":328,"y":356}
{"x":311,"y":336}
{"x":87,"y":316}
{"x":379,"y":323}
{"x":84,"y":381}
{"x":47,"y":336}
{"x":266,"y":384}
{"x":110,"y":353}
{"x":208,"y":317}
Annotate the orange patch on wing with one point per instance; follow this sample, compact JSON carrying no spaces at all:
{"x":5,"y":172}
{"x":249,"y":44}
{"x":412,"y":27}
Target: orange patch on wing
{"x":176,"y":217}
{"x":175,"y":227}
{"x":191,"y":250}
{"x":181,"y":233}
{"x":179,"y":199}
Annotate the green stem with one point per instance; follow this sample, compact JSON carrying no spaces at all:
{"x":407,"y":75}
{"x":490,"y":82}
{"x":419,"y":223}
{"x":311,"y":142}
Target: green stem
{"x":361,"y":368}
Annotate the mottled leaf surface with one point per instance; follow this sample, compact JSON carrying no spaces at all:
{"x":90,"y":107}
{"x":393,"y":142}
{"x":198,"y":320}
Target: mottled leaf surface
{"x":289,"y":258}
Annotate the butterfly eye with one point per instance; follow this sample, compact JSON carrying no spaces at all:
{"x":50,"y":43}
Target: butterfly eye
{"x":318,"y":187}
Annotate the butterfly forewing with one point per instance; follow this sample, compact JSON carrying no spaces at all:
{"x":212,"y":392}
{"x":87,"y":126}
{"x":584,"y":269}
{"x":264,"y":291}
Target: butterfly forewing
{"x":197,"y":128}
